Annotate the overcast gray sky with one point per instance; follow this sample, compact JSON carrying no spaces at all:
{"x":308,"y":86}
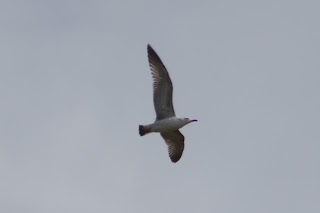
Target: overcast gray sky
{"x":75,"y":85}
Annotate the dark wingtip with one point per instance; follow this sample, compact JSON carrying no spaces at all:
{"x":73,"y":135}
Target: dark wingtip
{"x":153,"y":56}
{"x":175,"y":158}
{"x":151,"y":50}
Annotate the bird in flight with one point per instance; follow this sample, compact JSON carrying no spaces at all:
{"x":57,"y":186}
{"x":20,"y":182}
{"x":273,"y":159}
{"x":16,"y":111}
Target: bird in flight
{"x":166,"y":123}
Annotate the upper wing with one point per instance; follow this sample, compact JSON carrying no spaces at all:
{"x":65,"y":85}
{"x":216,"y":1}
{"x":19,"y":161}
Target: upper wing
{"x":162,"y":86}
{"x":175,"y":142}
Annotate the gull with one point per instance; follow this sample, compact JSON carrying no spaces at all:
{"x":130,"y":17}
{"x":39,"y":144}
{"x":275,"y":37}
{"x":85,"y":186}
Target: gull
{"x":166,"y":123}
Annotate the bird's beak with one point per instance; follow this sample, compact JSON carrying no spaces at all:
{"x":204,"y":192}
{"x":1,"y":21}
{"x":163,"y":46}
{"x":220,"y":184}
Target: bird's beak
{"x":193,"y":120}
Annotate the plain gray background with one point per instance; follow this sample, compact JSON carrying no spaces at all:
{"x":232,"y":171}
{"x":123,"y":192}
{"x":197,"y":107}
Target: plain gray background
{"x":75,"y":85}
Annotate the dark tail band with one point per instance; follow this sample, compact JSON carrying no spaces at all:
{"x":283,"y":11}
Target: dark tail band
{"x":142,"y":130}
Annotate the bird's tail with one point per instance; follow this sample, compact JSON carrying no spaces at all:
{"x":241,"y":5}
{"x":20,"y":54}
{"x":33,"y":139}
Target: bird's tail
{"x":143,"y":130}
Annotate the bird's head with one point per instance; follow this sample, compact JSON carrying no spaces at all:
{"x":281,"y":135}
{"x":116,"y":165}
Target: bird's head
{"x":188,"y":120}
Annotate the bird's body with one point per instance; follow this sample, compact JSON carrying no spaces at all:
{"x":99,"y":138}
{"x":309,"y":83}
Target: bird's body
{"x":167,"y":124}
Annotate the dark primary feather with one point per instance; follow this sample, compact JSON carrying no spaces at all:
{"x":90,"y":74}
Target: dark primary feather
{"x":175,"y":142}
{"x":162,"y":86}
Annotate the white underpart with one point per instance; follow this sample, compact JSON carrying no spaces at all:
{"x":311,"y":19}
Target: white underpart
{"x":168,"y":124}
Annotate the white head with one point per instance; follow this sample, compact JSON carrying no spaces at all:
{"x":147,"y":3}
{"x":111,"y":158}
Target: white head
{"x":188,"y":120}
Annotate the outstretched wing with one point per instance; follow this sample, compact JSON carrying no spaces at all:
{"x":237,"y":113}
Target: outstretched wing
{"x":175,"y":142}
{"x":162,"y":86}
